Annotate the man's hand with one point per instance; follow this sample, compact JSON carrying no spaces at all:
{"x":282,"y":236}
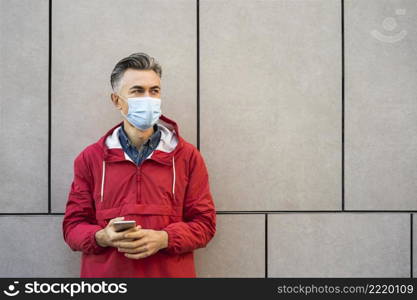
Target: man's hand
{"x":108,"y":236}
{"x":145,"y":242}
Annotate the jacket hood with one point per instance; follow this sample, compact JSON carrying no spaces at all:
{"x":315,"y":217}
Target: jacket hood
{"x":169,"y":144}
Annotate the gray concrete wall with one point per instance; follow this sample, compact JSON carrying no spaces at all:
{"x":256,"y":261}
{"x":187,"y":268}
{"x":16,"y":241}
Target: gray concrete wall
{"x":307,"y":123}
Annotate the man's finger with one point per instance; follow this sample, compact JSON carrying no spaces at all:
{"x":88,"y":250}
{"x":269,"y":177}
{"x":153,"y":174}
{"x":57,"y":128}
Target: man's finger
{"x":135,"y":250}
{"x":131,"y":245}
{"x":116,"y":219}
{"x":121,"y":235}
{"x":137,"y":256}
{"x":136,"y":234}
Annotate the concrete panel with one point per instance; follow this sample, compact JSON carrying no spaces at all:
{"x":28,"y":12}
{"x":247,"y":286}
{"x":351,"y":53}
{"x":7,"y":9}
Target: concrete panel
{"x":339,"y":245}
{"x":380,"y":106}
{"x":33,"y":246}
{"x":24,"y":106}
{"x":271,"y":97}
{"x":237,"y":249}
{"x":89,"y":38}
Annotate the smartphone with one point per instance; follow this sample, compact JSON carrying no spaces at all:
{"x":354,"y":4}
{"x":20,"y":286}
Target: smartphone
{"x":124,"y":224}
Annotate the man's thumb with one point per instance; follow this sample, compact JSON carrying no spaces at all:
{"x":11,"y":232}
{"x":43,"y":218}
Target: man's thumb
{"x":116,"y":219}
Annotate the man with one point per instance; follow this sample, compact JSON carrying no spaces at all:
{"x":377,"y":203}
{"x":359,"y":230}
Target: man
{"x":141,"y":170}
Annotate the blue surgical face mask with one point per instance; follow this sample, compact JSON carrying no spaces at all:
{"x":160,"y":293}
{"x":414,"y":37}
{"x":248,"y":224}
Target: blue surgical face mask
{"x":143,"y":112}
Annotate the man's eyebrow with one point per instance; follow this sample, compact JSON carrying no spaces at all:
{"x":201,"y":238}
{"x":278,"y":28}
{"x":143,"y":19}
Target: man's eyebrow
{"x":141,"y":87}
{"x":136,"y":87}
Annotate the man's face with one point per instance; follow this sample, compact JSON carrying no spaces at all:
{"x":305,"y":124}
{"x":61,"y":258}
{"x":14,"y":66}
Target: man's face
{"x":137,"y":83}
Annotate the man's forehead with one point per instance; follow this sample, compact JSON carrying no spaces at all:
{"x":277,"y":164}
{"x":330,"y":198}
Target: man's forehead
{"x":144,"y":78}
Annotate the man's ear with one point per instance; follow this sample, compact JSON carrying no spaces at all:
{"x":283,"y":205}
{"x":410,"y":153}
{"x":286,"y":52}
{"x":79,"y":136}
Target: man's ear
{"x":115,"y":99}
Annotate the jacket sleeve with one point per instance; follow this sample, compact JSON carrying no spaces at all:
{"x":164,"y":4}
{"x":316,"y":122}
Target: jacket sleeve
{"x":199,"y":214}
{"x":79,"y":223}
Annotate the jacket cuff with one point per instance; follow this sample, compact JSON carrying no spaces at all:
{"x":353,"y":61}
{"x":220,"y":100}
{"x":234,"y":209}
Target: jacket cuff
{"x":170,"y":249}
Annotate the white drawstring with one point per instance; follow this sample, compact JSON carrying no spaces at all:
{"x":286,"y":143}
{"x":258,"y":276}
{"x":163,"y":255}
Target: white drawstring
{"x":102,"y":179}
{"x":173,"y":182}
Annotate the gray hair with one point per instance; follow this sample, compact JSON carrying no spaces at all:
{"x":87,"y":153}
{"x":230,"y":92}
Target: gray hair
{"x":137,"y":61}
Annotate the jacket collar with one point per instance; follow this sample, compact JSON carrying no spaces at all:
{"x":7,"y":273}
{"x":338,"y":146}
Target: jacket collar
{"x":169,"y":143}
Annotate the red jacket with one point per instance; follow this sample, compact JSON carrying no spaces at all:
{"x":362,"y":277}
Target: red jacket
{"x":168,"y":191}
